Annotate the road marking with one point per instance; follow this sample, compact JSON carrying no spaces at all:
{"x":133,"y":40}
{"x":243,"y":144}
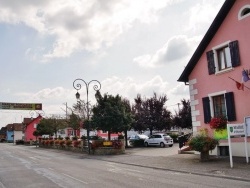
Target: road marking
{"x":2,"y":185}
{"x":74,"y":178}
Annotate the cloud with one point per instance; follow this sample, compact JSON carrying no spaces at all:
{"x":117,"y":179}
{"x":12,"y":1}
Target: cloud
{"x":176,"y":49}
{"x":130,"y":88}
{"x":80,"y":25}
{"x":202,"y":14}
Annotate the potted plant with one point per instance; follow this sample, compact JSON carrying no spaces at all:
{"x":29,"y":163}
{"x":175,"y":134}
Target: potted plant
{"x":218,"y":123}
{"x":68,"y":142}
{"x":203,"y":144}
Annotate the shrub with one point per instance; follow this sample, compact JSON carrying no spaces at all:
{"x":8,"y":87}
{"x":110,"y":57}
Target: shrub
{"x":203,"y":142}
{"x":117,"y":144}
{"x":51,"y":142}
{"x":174,"y":136}
{"x":76,"y":143}
{"x":62,"y":142}
{"x":68,"y":142}
{"x":57,"y":142}
{"x":19,"y":142}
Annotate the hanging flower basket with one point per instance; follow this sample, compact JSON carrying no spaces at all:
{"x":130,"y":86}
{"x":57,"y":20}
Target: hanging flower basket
{"x":218,"y":123}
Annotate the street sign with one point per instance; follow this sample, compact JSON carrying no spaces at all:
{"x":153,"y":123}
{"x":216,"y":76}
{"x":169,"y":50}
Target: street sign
{"x":236,"y":130}
{"x":247,"y":122}
{"x":20,"y":106}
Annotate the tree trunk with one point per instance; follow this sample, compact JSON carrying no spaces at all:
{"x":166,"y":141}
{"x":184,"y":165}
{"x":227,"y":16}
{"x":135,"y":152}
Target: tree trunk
{"x":204,"y":156}
{"x":126,"y":138}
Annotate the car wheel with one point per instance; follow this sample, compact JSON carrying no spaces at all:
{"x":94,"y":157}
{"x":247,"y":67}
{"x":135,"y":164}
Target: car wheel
{"x":162,"y":145}
{"x":146,"y":144}
{"x":170,"y":145}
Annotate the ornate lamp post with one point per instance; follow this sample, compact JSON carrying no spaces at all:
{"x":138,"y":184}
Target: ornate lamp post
{"x":96,"y":86}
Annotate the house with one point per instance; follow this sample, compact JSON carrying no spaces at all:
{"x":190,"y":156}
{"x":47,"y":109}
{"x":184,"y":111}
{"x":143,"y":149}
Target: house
{"x":68,"y":132}
{"x":215,"y":71}
{"x":30,"y":126}
{"x":3,"y":134}
{"x":9,"y":133}
{"x":18,"y":131}
{"x":14,"y":132}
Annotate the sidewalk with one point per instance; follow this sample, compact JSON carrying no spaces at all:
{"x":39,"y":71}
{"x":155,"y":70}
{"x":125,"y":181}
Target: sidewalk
{"x":185,"y":163}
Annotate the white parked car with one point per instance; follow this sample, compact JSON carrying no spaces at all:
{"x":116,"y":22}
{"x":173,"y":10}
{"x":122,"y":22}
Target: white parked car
{"x":159,"y":139}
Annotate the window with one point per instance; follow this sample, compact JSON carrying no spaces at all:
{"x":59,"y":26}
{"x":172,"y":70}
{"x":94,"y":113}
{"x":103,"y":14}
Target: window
{"x":244,"y":12}
{"x":223,"y":57}
{"x":219,"y":104}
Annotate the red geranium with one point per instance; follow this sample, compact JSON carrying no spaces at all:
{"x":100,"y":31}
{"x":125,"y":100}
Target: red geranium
{"x":218,"y":123}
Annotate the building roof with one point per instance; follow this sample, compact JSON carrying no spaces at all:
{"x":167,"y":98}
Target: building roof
{"x":18,"y":126}
{"x":9,"y":127}
{"x":226,"y":7}
{"x":14,"y":127}
{"x":27,"y":120}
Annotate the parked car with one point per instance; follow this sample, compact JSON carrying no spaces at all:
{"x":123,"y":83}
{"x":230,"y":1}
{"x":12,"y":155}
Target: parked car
{"x":159,"y":139}
{"x":137,"y":139}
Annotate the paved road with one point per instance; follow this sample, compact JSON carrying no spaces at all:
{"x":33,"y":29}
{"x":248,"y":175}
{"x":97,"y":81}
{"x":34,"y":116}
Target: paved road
{"x":154,"y":151}
{"x":24,"y":167}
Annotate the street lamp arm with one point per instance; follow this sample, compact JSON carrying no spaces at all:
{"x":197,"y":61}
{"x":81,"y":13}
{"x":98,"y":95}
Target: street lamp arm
{"x":77,"y":84}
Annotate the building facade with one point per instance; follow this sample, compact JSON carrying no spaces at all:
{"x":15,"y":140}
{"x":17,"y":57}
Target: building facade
{"x":218,"y":72}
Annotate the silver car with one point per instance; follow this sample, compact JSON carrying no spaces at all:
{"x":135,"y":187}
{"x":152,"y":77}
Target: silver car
{"x":161,"y":140}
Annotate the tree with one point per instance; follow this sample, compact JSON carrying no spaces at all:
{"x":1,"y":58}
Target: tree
{"x":44,"y":127}
{"x":36,"y":134}
{"x":112,"y":114}
{"x":80,"y":108}
{"x":183,"y":118}
{"x":74,"y":122}
{"x":51,"y":126}
{"x":151,"y":114}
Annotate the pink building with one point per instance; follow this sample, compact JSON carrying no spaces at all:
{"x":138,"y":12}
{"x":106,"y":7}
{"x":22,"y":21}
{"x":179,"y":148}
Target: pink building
{"x":30,"y":126}
{"x":214,"y":72}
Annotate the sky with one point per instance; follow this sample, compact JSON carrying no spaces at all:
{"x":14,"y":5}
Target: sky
{"x":130,"y":46}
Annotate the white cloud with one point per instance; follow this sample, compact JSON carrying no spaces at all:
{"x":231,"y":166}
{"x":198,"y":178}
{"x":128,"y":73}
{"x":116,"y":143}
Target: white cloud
{"x":130,"y":88}
{"x":203,"y":13}
{"x":80,"y":25}
{"x":177,"y":48}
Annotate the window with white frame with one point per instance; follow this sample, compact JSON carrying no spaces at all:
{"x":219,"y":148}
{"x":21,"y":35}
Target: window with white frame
{"x":219,"y":104}
{"x":244,"y":12}
{"x":223,"y":57}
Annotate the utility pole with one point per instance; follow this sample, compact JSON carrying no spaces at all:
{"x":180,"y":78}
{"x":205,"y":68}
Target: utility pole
{"x":66,"y":111}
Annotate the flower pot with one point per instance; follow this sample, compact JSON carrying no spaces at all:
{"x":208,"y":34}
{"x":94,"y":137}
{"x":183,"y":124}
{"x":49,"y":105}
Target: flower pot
{"x":220,"y":134}
{"x":204,"y":156}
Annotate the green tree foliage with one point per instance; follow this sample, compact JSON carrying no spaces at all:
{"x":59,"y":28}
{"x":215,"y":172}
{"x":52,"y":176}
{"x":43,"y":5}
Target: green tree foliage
{"x":183,"y":118}
{"x":50,"y":126}
{"x":112,"y":113}
{"x":44,"y":127}
{"x":151,"y":114}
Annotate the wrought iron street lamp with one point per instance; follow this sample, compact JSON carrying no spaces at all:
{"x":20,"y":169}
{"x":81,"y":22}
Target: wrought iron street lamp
{"x":96,"y":86}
